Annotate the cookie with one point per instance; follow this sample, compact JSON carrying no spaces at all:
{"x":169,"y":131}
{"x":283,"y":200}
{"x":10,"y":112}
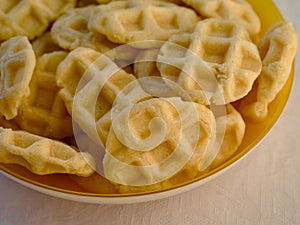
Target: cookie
{"x":239,"y":11}
{"x":277,"y":48}
{"x":42,"y":155}
{"x":17,"y":62}
{"x":43,"y":112}
{"x":30,"y":17}
{"x":217,"y":63}
{"x":89,"y":83}
{"x":133,"y":21}
{"x":150,"y":141}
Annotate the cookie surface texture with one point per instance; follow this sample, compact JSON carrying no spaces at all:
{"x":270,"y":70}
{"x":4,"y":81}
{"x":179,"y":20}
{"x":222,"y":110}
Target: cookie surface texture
{"x":133,"y":21}
{"x":277,"y":48}
{"x":43,"y":112}
{"x":17,"y":62}
{"x":89,"y":83}
{"x":217,"y":63}
{"x":71,"y":31}
{"x":42,"y":155}
{"x":149,"y":141}
{"x":239,"y":11}
{"x":29,"y":17}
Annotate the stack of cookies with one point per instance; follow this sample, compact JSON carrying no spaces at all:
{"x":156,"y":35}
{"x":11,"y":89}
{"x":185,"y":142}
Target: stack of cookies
{"x":134,"y":95}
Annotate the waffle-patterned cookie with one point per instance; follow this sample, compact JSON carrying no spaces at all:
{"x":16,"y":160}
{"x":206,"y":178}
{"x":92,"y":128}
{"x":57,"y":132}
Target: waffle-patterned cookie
{"x":29,"y":17}
{"x":71,"y":70}
{"x":133,"y":21}
{"x":90,"y":81}
{"x":44,"y":44}
{"x":17,"y":61}
{"x":277,"y":49}
{"x":43,"y":112}
{"x":42,"y":155}
{"x":216,"y":64}
{"x":230,"y":137}
{"x":71,"y":31}
{"x":150,"y":141}
{"x":239,"y":11}
{"x":136,"y":91}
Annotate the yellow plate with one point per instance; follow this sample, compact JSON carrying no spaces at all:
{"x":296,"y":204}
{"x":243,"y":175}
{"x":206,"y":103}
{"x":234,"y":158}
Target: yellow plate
{"x":63,"y":186}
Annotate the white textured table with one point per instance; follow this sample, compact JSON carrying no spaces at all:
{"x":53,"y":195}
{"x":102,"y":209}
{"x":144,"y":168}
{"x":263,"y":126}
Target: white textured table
{"x":263,"y":188}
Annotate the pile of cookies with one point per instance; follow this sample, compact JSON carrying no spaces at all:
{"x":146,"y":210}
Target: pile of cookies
{"x":134,"y":95}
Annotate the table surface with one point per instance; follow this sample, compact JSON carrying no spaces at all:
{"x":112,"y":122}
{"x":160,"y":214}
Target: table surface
{"x":263,"y":188}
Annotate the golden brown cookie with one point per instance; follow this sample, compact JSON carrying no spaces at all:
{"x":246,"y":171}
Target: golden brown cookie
{"x":277,"y":48}
{"x":217,"y":63}
{"x":134,"y":21}
{"x":42,"y":155}
{"x":70,"y":31}
{"x":89,"y":83}
{"x":30,"y":17}
{"x":43,"y":112}
{"x":151,"y":141}
{"x":17,"y":62}
{"x":239,"y":11}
